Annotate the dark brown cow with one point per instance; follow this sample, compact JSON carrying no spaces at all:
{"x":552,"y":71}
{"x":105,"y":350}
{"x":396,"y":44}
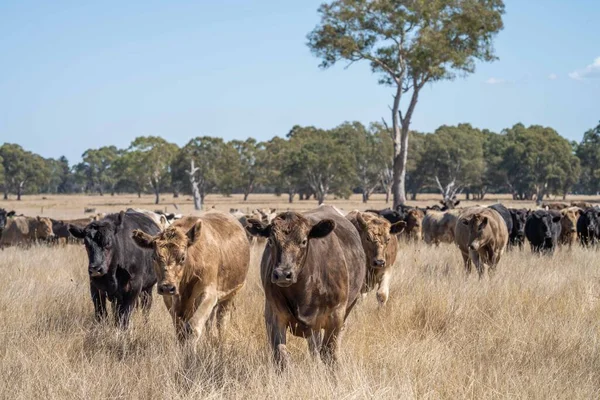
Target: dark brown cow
{"x":201,"y":264}
{"x":312,"y":272}
{"x":414,"y":224}
{"x":380,"y":243}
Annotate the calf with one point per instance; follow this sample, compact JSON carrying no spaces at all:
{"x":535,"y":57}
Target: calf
{"x":438,"y":226}
{"x":119,"y":270}
{"x":379,"y":241}
{"x":26,"y":231}
{"x":312,"y":272}
{"x":588,"y":227}
{"x":482,"y":237}
{"x":517,"y":234}
{"x":542,"y":229}
{"x":201,"y":264}
{"x":568,"y":231}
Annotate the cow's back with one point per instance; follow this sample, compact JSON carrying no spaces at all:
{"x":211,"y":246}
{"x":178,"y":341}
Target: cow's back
{"x":505,"y":214}
{"x":15,"y":232}
{"x":350,"y":244}
{"x":225,"y":245}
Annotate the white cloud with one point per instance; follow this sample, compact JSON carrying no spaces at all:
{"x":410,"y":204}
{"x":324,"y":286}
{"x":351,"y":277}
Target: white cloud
{"x":553,"y":77}
{"x":591,"y":71}
{"x":496,"y":81}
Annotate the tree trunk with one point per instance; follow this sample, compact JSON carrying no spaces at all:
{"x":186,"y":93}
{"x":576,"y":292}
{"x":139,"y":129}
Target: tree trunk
{"x":413,"y":196}
{"x":365,"y":196}
{"x":5,"y":194}
{"x":139,"y":194}
{"x":157,"y":196}
{"x":246,"y":195}
{"x":19,"y":190}
{"x":321,"y":198}
{"x":388,"y":192}
{"x":291,"y":197}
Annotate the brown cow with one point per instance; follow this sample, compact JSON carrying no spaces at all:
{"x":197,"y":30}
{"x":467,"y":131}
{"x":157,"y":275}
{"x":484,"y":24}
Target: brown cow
{"x":380,"y":243}
{"x":438,"y":226}
{"x":582,"y":204}
{"x":201,"y":264}
{"x":414,"y":224}
{"x":26,"y":231}
{"x":312,"y":272}
{"x":482,"y":237}
{"x":568,"y":222}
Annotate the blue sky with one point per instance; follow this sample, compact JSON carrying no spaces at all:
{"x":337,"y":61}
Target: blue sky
{"x":78,"y":75}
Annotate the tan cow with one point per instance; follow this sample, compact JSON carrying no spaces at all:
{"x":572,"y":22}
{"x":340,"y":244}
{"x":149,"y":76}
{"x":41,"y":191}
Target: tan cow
{"x":201,"y":263}
{"x":26,"y":231}
{"x":312,"y":272}
{"x":414,"y":224}
{"x":568,"y":222}
{"x":555,"y":206}
{"x":380,"y":243}
{"x":438,"y":226}
{"x":482,"y":237}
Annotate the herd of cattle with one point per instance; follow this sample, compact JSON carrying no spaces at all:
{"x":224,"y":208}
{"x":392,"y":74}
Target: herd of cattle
{"x":315,"y":265}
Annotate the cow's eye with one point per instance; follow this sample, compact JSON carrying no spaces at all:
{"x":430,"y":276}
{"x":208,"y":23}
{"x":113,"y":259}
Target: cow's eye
{"x":270,"y":241}
{"x":182,"y":258}
{"x":304,"y":243}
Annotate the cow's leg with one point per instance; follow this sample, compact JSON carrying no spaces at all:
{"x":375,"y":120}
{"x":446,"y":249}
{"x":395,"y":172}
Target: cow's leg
{"x":223,"y":317}
{"x":124,"y":307}
{"x":204,"y":306}
{"x":331,"y":339}
{"x":315,"y":341}
{"x":146,"y":301}
{"x":477,"y":261}
{"x":466,"y":261}
{"x":383,"y":289}
{"x":277,"y":336}
{"x":99,"y":300}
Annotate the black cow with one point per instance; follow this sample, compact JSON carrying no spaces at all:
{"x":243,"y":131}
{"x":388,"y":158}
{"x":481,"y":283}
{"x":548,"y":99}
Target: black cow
{"x":506,"y":216}
{"x":389,"y":214}
{"x":542,"y":229}
{"x":4,"y":216}
{"x":119,"y":270}
{"x":588,"y":227}
{"x":516,"y":236}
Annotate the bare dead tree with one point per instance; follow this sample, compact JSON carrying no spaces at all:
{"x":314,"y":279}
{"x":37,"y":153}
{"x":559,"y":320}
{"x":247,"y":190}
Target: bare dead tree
{"x":195,"y":190}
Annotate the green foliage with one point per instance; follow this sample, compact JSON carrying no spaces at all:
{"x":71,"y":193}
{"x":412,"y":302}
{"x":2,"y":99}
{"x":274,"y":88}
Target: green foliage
{"x":588,"y":152}
{"x":21,"y":170}
{"x":96,"y":170}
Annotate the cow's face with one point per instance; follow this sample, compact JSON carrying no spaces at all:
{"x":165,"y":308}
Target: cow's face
{"x":375,"y":234}
{"x":519,"y":217}
{"x":569,"y":220}
{"x":593,"y":217}
{"x":414,"y":219}
{"x":43,"y":229}
{"x":477,"y":236}
{"x":4,"y":215}
{"x":545,"y":222}
{"x":169,"y":254}
{"x":289,"y":238}
{"x":99,"y":240}
{"x":449,"y":204}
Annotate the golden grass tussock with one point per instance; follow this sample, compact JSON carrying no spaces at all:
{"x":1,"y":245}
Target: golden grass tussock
{"x":531,"y":331}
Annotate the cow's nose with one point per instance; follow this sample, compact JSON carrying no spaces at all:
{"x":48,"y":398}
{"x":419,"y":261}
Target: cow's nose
{"x":166,"y":289}
{"x":282,"y":275}
{"x":378,"y":263}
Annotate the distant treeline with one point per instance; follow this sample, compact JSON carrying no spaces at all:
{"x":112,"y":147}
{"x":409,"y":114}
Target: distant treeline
{"x":529,"y":162}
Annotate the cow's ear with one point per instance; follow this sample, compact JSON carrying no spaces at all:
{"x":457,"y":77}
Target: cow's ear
{"x":556,"y":218}
{"x":457,"y":202}
{"x":163,"y":221}
{"x":11,"y":214}
{"x":76,"y":231}
{"x":580,"y":212}
{"x":142,"y":239}
{"x":38,"y":218}
{"x":484,"y":222}
{"x":273,"y":210}
{"x":194,"y":233}
{"x":322,"y":229}
{"x":442,"y":202}
{"x":361,"y":221}
{"x":465,"y":221}
{"x":257,"y":228}
{"x":120,"y":218}
{"x":398,"y":227}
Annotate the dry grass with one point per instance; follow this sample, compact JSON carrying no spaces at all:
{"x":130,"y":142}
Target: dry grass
{"x":530,"y":332}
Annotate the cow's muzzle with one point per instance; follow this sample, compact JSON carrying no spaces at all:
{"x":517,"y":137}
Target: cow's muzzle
{"x":166,"y":289}
{"x":96,"y":271}
{"x":282,"y":277}
{"x":378,"y":263}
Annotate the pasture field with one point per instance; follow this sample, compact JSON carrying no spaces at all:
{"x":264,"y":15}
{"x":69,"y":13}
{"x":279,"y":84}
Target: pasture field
{"x":532,"y":331}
